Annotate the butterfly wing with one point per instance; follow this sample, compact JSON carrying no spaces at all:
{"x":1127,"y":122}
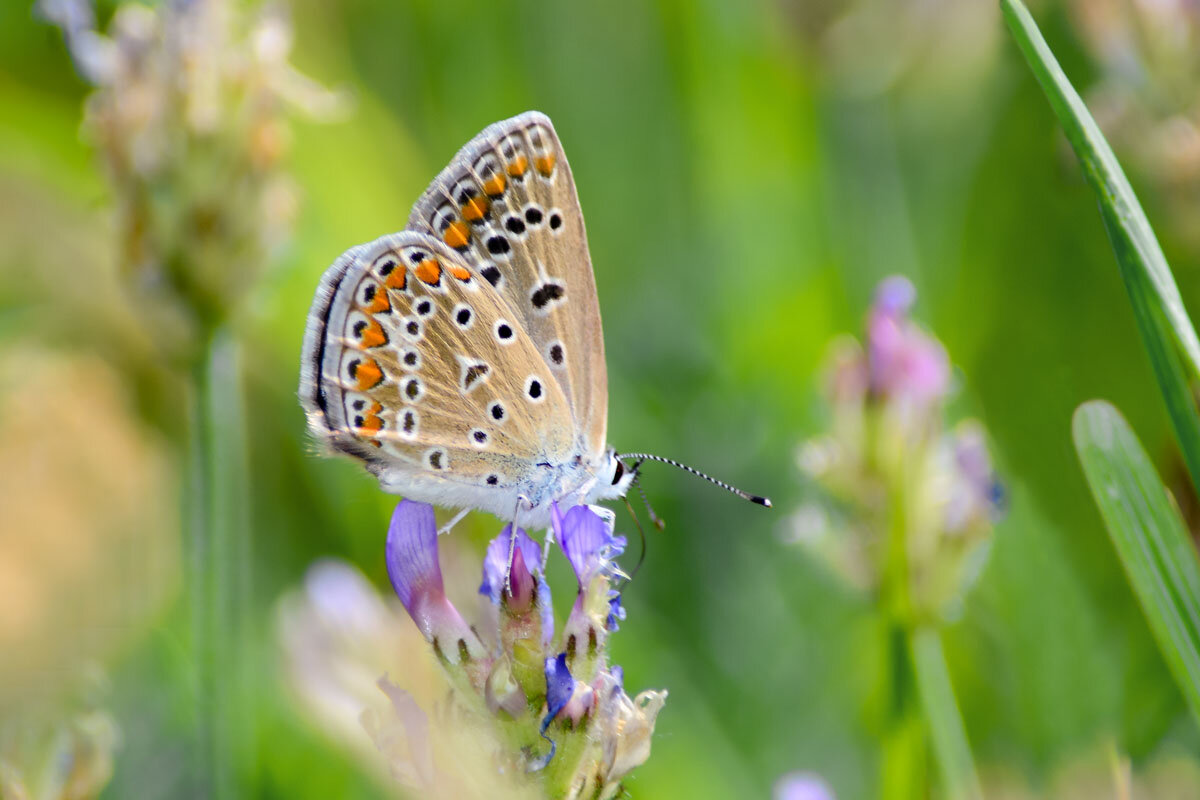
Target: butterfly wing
{"x":417,"y":365}
{"x":507,"y":204}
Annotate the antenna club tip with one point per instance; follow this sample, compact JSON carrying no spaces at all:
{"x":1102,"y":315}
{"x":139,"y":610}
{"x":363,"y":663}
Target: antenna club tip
{"x":762,"y":501}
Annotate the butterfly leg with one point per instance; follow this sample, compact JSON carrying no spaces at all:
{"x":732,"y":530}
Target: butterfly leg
{"x":547,"y":541}
{"x":512,"y":543}
{"x":457,"y":519}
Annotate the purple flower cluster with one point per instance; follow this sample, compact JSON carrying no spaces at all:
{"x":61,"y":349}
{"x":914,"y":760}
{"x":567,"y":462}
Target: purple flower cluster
{"x":558,"y":709}
{"x":889,"y":467}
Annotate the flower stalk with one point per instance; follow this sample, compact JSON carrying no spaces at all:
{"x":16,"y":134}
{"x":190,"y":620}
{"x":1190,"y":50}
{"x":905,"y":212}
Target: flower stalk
{"x":188,"y":117}
{"x":905,"y":515}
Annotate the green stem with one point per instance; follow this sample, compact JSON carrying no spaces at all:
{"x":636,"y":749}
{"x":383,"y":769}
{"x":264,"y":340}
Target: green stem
{"x":902,"y":772}
{"x":946,"y":731}
{"x":215,"y":527}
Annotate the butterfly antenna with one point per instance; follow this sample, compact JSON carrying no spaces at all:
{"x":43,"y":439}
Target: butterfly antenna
{"x":753,"y":498}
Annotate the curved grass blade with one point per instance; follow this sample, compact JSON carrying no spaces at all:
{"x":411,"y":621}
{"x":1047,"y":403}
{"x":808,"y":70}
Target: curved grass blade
{"x":1162,"y":319}
{"x":946,"y":730}
{"x":1149,"y":535}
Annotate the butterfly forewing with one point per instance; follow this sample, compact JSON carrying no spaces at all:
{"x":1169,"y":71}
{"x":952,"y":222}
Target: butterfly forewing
{"x":507,"y":204}
{"x":416,"y":364}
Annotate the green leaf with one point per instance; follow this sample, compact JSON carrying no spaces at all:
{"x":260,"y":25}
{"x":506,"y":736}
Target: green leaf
{"x":1149,"y":535}
{"x":1164,"y":324}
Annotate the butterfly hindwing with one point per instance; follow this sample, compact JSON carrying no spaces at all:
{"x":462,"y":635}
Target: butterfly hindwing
{"x":507,"y":204}
{"x":417,"y":365}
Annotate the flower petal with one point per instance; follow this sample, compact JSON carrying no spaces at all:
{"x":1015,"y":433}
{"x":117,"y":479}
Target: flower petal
{"x":495,"y":562}
{"x":586,"y":539}
{"x":616,"y":612}
{"x":411,"y":555}
{"x":560,"y":685}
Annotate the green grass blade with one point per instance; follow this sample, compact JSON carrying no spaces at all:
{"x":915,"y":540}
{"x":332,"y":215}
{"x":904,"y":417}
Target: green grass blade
{"x":1161,"y":317}
{"x":946,"y":730}
{"x":1149,"y":535}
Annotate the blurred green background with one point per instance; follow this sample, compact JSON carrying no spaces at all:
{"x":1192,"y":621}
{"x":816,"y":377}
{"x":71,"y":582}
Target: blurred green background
{"x":748,"y":171}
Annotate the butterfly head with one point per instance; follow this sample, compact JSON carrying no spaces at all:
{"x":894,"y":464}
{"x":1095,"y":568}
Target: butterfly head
{"x":613,"y":477}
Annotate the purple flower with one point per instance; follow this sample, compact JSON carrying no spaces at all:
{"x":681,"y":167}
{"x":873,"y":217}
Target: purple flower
{"x":616,"y":612}
{"x":527,"y":555}
{"x":412,"y":564}
{"x":902,"y":361}
{"x":976,"y":495}
{"x":802,"y":786}
{"x":560,"y":686}
{"x":565,"y":696}
{"x":588,"y":542}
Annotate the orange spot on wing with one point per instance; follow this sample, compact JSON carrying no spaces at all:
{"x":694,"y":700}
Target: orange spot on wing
{"x":398,"y":278}
{"x":373,"y":335}
{"x":517,"y":166}
{"x":457,"y":235}
{"x":371,"y":425}
{"x":476,"y":208}
{"x":368,"y":375}
{"x":494,"y":186}
{"x":545,"y":164}
{"x":379,"y":302}
{"x":458,"y":272}
{"x":428,"y":270}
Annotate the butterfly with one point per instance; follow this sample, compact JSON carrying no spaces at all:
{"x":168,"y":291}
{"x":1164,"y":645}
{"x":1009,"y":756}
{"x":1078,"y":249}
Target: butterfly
{"x":461,"y":360}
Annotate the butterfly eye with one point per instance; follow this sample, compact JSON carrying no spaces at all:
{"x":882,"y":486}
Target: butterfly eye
{"x":617,"y":473}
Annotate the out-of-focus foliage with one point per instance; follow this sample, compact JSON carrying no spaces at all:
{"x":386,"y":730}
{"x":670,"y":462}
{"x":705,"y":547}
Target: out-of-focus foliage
{"x":749,"y":171}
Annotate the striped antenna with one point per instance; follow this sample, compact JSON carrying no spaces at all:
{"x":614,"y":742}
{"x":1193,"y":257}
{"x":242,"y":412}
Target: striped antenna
{"x":753,"y":498}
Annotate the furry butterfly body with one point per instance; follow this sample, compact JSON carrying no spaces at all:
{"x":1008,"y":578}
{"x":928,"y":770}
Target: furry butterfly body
{"x":462,"y":359}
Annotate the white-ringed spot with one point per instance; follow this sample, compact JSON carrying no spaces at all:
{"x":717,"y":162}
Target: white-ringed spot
{"x":535,"y":390}
{"x":504,"y":332}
